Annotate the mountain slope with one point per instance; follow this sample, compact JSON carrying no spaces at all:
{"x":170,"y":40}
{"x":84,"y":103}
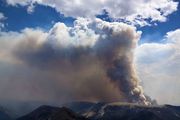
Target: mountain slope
{"x":51,"y":113}
{"x":105,"y":111}
{"x":4,"y":115}
{"x":136,"y":112}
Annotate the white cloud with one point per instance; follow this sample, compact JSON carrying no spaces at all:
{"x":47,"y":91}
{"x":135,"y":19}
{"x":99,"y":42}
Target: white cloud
{"x":2,"y":17}
{"x":158,"y":66}
{"x":30,"y":8}
{"x":134,"y":11}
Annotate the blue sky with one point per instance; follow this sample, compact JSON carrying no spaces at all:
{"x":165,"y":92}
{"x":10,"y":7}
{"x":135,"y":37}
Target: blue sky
{"x":156,"y":32}
{"x":17,"y":18}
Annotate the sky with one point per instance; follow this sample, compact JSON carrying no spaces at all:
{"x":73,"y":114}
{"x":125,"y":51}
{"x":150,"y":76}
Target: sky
{"x":157,"y":23}
{"x":45,"y":17}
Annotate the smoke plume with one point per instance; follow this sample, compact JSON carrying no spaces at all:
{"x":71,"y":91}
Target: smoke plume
{"x":91,"y":61}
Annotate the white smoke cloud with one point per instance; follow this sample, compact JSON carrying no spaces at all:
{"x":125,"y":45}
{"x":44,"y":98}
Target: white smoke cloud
{"x":70,"y":63}
{"x":132,"y":11}
{"x":158,"y":66}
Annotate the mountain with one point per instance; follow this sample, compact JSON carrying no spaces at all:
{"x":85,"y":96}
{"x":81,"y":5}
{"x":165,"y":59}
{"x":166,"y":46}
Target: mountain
{"x":52,"y":113}
{"x":127,"y":111}
{"x":80,"y":107}
{"x":4,"y":115}
{"x":104,"y":111}
{"x":121,"y":111}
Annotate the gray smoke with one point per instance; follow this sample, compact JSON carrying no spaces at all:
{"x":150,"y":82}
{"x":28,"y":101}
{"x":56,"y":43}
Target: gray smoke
{"x":92,"y":61}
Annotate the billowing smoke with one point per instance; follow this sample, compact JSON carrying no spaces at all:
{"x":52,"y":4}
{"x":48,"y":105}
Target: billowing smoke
{"x":92,"y":61}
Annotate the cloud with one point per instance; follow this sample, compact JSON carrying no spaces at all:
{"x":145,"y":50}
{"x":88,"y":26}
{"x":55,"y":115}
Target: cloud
{"x":158,"y":67}
{"x":91,"y":61}
{"x":2,"y":17}
{"x":139,"y":12}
